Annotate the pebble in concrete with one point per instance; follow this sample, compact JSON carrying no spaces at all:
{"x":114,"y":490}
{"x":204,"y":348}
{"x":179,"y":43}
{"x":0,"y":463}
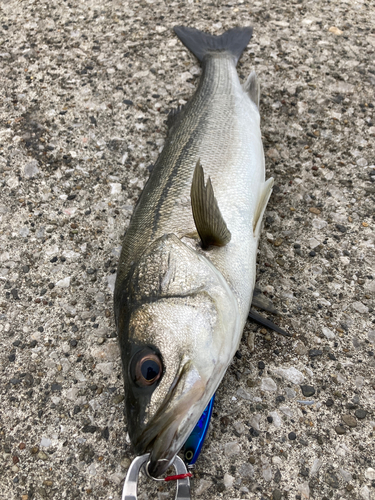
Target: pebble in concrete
{"x":349,"y":420}
{"x":340,"y":429}
{"x":291,"y":374}
{"x":360,"y":413}
{"x":267,"y":384}
{"x":276,"y":494}
{"x":232,"y":448}
{"x":370,"y":474}
{"x":307,"y":390}
{"x":45,"y":442}
{"x":228,"y":480}
{"x":63,"y":283}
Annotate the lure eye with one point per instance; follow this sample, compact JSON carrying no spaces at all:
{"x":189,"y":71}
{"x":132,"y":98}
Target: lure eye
{"x":189,"y":455}
{"x":146,"y":368}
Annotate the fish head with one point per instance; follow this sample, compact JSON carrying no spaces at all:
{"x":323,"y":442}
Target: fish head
{"x":175,"y":349}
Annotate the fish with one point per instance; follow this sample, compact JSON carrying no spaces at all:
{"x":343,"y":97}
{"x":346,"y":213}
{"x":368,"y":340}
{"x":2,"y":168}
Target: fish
{"x":187,"y":268}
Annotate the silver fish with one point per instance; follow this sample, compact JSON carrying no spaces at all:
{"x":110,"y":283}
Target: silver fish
{"x":187,"y":268}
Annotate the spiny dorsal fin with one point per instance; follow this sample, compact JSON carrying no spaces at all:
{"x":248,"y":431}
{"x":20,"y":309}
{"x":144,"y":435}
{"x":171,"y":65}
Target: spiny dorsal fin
{"x":252,"y":87}
{"x":208,"y":220}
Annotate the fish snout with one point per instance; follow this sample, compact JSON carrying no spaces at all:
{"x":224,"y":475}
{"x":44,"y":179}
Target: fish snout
{"x":174,"y":426}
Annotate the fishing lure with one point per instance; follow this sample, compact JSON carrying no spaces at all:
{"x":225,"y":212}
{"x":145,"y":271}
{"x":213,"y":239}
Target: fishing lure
{"x":194,"y":442}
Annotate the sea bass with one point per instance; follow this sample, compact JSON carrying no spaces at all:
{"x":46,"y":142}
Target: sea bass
{"x":186,"y":274}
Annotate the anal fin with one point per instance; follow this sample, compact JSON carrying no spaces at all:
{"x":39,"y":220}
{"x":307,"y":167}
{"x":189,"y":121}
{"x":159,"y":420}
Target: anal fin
{"x":209,"y":222}
{"x":262,"y":302}
{"x":263,"y":198}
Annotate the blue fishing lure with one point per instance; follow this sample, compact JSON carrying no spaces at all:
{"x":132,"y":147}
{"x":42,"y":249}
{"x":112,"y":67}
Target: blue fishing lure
{"x":194,"y":442}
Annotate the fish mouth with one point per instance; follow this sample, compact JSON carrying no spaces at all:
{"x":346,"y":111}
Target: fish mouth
{"x":166,"y":433}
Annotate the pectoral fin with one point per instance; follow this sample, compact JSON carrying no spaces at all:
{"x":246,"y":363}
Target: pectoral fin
{"x":209,"y":222}
{"x":263,"y":198}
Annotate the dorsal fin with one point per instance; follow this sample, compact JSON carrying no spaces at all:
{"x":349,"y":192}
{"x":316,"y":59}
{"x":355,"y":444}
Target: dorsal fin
{"x":252,"y":87}
{"x":209,"y":222}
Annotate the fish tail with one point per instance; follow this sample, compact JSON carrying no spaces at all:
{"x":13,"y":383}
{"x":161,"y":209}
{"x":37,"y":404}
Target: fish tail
{"x":200,"y":44}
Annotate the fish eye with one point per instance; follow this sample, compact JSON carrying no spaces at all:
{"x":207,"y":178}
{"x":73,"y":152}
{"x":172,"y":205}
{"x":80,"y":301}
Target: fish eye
{"x":146,"y":367}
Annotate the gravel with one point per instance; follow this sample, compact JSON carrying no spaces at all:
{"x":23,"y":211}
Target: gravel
{"x":307,"y":390}
{"x":85,"y":91}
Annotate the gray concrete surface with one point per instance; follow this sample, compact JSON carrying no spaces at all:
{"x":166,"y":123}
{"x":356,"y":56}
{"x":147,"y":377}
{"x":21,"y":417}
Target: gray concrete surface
{"x":85,"y":89}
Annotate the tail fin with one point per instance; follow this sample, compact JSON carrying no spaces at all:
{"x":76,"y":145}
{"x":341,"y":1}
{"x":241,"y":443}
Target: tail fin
{"x":199,"y":43}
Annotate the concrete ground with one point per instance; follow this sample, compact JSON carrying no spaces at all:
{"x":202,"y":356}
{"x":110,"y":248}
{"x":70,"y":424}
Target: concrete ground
{"x":84,"y":93}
